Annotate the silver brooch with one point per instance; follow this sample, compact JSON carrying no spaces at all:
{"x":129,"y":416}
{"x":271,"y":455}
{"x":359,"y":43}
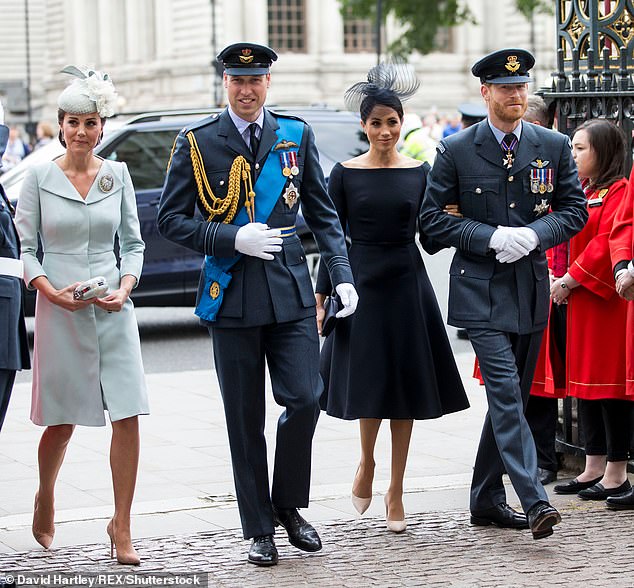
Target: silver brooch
{"x":106,"y":183}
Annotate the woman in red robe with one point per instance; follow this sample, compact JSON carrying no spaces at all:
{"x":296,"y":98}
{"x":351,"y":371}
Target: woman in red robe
{"x":596,"y":339}
{"x":622,"y":252}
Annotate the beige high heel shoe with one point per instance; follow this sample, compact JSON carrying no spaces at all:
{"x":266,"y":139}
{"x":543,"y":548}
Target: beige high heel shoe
{"x":44,"y":538}
{"x":129,"y":557}
{"x":360,"y":504}
{"x":394,"y":526}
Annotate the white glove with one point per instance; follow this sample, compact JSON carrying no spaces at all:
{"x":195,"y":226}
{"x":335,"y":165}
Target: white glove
{"x":513,"y":243}
{"x":257,"y":240}
{"x":349,"y":299}
{"x":1,"y":113}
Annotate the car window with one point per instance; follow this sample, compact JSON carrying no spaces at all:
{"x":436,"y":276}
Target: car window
{"x":147,"y":154}
{"x":339,"y":141}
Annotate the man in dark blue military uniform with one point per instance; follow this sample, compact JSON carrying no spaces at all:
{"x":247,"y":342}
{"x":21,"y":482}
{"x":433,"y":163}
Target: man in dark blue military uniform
{"x":14,"y":346}
{"x":516,"y":186}
{"x":247,"y":170}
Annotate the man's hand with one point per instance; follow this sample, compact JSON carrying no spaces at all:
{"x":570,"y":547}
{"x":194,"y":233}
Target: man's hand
{"x":257,"y":240}
{"x":349,"y":299}
{"x":513,"y":243}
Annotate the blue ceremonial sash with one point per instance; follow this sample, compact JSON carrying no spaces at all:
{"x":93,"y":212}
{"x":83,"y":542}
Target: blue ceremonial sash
{"x":268,"y":188}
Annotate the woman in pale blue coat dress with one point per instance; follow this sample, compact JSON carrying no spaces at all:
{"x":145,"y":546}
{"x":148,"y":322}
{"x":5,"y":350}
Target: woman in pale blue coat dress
{"x":87,"y":354}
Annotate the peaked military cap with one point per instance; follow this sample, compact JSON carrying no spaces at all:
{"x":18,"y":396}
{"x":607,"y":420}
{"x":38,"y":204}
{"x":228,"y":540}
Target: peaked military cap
{"x":472,"y":113}
{"x":246,"y":59}
{"x":506,"y":66}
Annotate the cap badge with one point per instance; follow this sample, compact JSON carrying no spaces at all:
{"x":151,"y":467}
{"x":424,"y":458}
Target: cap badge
{"x":246,"y":56}
{"x":106,"y":183}
{"x":512,"y":64}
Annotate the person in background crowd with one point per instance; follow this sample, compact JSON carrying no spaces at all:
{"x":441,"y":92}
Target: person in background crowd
{"x":255,"y":294}
{"x":596,"y":319}
{"x":15,"y":151}
{"x":471,"y":114}
{"x":498,"y":278}
{"x":452,"y":126}
{"x":87,"y":353}
{"x":417,"y":144}
{"x":391,"y":359}
{"x":44,"y":133}
{"x":14,"y":345}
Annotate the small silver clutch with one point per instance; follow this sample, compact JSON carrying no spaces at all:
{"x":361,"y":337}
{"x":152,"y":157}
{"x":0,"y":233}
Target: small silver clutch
{"x":93,"y":288}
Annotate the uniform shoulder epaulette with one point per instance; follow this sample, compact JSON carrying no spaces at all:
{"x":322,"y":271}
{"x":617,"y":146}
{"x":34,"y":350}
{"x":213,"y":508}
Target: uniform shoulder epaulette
{"x":203,"y":122}
{"x":287,"y":115}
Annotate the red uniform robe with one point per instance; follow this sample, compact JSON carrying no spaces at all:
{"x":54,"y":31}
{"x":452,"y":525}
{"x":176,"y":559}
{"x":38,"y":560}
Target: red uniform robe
{"x":622,"y":249}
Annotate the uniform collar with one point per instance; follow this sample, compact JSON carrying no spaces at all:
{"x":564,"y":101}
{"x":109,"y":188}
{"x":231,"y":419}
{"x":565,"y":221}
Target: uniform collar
{"x":499,"y":135}
{"x":242,"y":125}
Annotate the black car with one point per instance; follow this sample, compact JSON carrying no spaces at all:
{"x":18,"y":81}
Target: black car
{"x":170,"y":271}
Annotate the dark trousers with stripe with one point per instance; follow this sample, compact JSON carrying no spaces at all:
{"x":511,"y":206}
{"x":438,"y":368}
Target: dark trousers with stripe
{"x":291,"y":351}
{"x":7,"y":377}
{"x":507,"y":363}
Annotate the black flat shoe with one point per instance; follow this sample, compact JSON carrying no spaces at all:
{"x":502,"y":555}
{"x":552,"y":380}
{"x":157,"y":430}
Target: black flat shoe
{"x":574,"y":486}
{"x":623,"y":501}
{"x":263,"y":551}
{"x":301,"y":534}
{"x":501,"y":515}
{"x":542,"y":517}
{"x":546,"y":476}
{"x":599,"y":492}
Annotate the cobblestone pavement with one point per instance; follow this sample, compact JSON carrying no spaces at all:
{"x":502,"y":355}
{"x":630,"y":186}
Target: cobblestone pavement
{"x":591,"y":545}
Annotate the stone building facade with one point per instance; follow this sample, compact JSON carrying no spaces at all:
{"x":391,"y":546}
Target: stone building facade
{"x":160,"y":52}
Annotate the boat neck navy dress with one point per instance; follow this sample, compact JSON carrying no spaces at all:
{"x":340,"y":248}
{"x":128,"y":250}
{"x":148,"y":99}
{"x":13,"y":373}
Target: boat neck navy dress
{"x":391,"y":359}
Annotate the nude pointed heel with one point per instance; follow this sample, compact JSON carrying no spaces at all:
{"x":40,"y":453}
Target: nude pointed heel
{"x":394,"y":526}
{"x":360,"y":504}
{"x":44,"y":538}
{"x":129,"y":558}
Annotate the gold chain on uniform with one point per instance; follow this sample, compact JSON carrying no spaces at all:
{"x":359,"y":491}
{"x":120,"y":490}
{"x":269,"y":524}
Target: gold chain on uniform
{"x":240,"y":170}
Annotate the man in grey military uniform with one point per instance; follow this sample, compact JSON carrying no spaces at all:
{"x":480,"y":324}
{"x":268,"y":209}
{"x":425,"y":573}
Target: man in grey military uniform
{"x":14,"y":345}
{"x":247,"y":170}
{"x":517,"y":188}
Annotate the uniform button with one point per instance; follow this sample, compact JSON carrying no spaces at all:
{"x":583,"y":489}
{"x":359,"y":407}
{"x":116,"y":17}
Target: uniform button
{"x":461,"y":272}
{"x":257,"y":166}
{"x":478,"y":190}
{"x":512,"y":205}
{"x":301,"y":258}
{"x":222,"y":182}
{"x":511,"y":178}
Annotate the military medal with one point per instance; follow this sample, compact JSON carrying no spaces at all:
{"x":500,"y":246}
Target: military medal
{"x":549,"y":180}
{"x":293,"y":157}
{"x":285,"y":161}
{"x":291,"y":195}
{"x":509,"y":157}
{"x":542,"y":207}
{"x":106,"y":183}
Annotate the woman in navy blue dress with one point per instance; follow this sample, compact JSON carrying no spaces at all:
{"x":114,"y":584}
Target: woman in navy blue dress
{"x":392,"y":358}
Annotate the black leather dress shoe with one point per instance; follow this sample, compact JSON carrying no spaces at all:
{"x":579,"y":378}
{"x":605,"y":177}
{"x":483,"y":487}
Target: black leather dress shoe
{"x":542,"y":517}
{"x":623,"y":501}
{"x":574,"y":486}
{"x":263,"y":551}
{"x":546,"y":476}
{"x":301,"y":534}
{"x":501,"y":515}
{"x":599,"y":492}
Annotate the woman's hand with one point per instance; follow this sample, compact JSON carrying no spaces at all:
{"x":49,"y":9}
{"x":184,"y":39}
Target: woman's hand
{"x":625,"y":285}
{"x":65,"y":299}
{"x":114,"y":301}
{"x":453,"y":210}
{"x":321,"y":312}
{"x":561,"y":287}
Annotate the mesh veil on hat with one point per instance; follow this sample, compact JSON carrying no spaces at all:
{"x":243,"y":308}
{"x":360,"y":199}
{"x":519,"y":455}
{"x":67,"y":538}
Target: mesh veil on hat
{"x":91,"y":91}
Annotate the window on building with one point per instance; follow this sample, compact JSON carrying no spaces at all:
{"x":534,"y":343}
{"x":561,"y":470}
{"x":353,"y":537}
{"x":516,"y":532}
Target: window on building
{"x":444,"y":40}
{"x":358,"y":35}
{"x":287,"y":29}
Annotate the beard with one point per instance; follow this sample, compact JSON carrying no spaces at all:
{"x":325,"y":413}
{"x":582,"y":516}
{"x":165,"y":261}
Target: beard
{"x":508,"y":114}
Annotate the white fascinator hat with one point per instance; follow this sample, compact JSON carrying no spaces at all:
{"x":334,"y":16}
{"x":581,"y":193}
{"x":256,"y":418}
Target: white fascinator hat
{"x":91,"y":91}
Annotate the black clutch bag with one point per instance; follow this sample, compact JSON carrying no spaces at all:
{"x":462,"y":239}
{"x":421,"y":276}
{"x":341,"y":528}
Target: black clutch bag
{"x":332,"y":306}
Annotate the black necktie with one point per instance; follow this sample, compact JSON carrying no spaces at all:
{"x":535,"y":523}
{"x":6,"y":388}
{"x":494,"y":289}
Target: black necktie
{"x":254,"y":142}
